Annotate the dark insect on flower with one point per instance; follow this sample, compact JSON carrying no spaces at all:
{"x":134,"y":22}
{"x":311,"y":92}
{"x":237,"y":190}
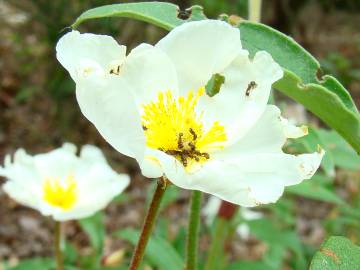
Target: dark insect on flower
{"x":252,"y":85}
{"x":192,"y":132}
{"x":144,"y":128}
{"x":115,"y":71}
{"x":180,"y":141}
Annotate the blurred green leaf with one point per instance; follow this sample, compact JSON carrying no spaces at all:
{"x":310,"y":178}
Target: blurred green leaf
{"x":249,"y":265}
{"x":278,"y":240}
{"x":94,"y":228}
{"x":159,"y":251}
{"x":70,"y":253}
{"x":314,"y":189}
{"x":344,"y":156}
{"x":35,"y":263}
{"x":337,"y":253}
{"x":162,"y":14}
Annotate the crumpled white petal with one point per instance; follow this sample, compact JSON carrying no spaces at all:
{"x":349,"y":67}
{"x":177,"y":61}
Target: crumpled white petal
{"x":268,"y":135}
{"x":84,"y":53}
{"x":199,"y":50}
{"x":27,"y":174}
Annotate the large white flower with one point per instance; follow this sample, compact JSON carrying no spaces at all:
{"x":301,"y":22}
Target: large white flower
{"x":152,"y":105}
{"x":61,"y":184}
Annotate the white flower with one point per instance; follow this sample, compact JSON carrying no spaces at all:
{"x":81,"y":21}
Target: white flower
{"x":151,"y":105}
{"x":61,"y":184}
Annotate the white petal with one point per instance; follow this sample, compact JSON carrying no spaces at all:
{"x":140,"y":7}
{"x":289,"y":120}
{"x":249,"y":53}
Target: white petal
{"x":200,"y":49}
{"x":76,"y":52}
{"x":108,"y":103}
{"x":266,"y":175}
{"x":239,"y":104}
{"x":266,"y":136}
{"x":23,"y":183}
{"x":148,"y":70}
{"x":58,"y":163}
{"x":292,"y":131}
{"x":150,"y":166}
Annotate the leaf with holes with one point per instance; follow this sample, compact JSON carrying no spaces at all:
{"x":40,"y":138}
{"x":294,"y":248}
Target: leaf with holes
{"x":164,"y":15}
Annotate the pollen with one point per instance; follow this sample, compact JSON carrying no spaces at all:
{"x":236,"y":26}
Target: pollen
{"x":173,"y":126}
{"x":60,"y":193}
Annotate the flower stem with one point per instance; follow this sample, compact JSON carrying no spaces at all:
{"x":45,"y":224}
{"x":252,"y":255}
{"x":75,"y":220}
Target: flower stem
{"x":193,"y":231}
{"x":254,"y":10}
{"x":57,"y":243}
{"x":148,"y":224}
{"x":215,"y":256}
{"x":216,"y":252}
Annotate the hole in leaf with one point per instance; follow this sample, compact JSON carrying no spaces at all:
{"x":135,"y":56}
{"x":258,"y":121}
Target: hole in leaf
{"x":184,"y":14}
{"x":214,"y":84}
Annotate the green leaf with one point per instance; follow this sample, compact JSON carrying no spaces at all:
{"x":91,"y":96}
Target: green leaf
{"x":325,"y":104}
{"x":159,"y":252}
{"x":257,"y":37}
{"x":248,"y":265}
{"x":313,"y":189}
{"x":337,"y":253}
{"x":344,"y":156}
{"x":164,"y":15}
{"x":35,"y":263}
{"x":94,"y":227}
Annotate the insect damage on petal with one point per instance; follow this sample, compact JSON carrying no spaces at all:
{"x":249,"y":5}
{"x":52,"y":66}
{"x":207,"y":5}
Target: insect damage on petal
{"x":173,"y":126}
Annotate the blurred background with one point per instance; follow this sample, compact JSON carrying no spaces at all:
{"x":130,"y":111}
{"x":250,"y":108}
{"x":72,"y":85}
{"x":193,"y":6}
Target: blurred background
{"x":38,"y":111}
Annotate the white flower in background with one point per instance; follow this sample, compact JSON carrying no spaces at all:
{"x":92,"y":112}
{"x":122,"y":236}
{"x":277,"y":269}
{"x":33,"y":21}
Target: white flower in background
{"x":61,"y":184}
{"x":211,"y":209}
{"x":152,"y":105}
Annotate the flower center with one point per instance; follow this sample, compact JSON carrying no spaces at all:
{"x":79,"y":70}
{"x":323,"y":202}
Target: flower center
{"x":173,"y":126}
{"x":62,"y":194}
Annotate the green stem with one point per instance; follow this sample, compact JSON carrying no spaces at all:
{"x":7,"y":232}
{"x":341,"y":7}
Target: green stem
{"x":216,"y":251}
{"x":193,"y":231}
{"x":148,"y":224}
{"x":254,"y":10}
{"x":57,"y":243}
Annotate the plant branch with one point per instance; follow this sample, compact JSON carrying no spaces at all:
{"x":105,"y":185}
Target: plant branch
{"x":57,"y":243}
{"x":193,"y":231}
{"x":148,"y":224}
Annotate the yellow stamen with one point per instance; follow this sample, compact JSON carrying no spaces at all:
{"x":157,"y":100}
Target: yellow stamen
{"x":173,"y":126}
{"x":62,"y":194}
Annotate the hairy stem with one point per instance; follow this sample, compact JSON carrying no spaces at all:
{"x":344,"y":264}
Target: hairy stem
{"x":148,"y":224}
{"x":57,"y":243}
{"x":193,"y":231}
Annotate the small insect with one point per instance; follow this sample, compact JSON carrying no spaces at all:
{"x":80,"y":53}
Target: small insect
{"x":252,"y":85}
{"x":144,"y":128}
{"x":192,"y":132}
{"x":180,"y":141}
{"x":115,"y":70}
